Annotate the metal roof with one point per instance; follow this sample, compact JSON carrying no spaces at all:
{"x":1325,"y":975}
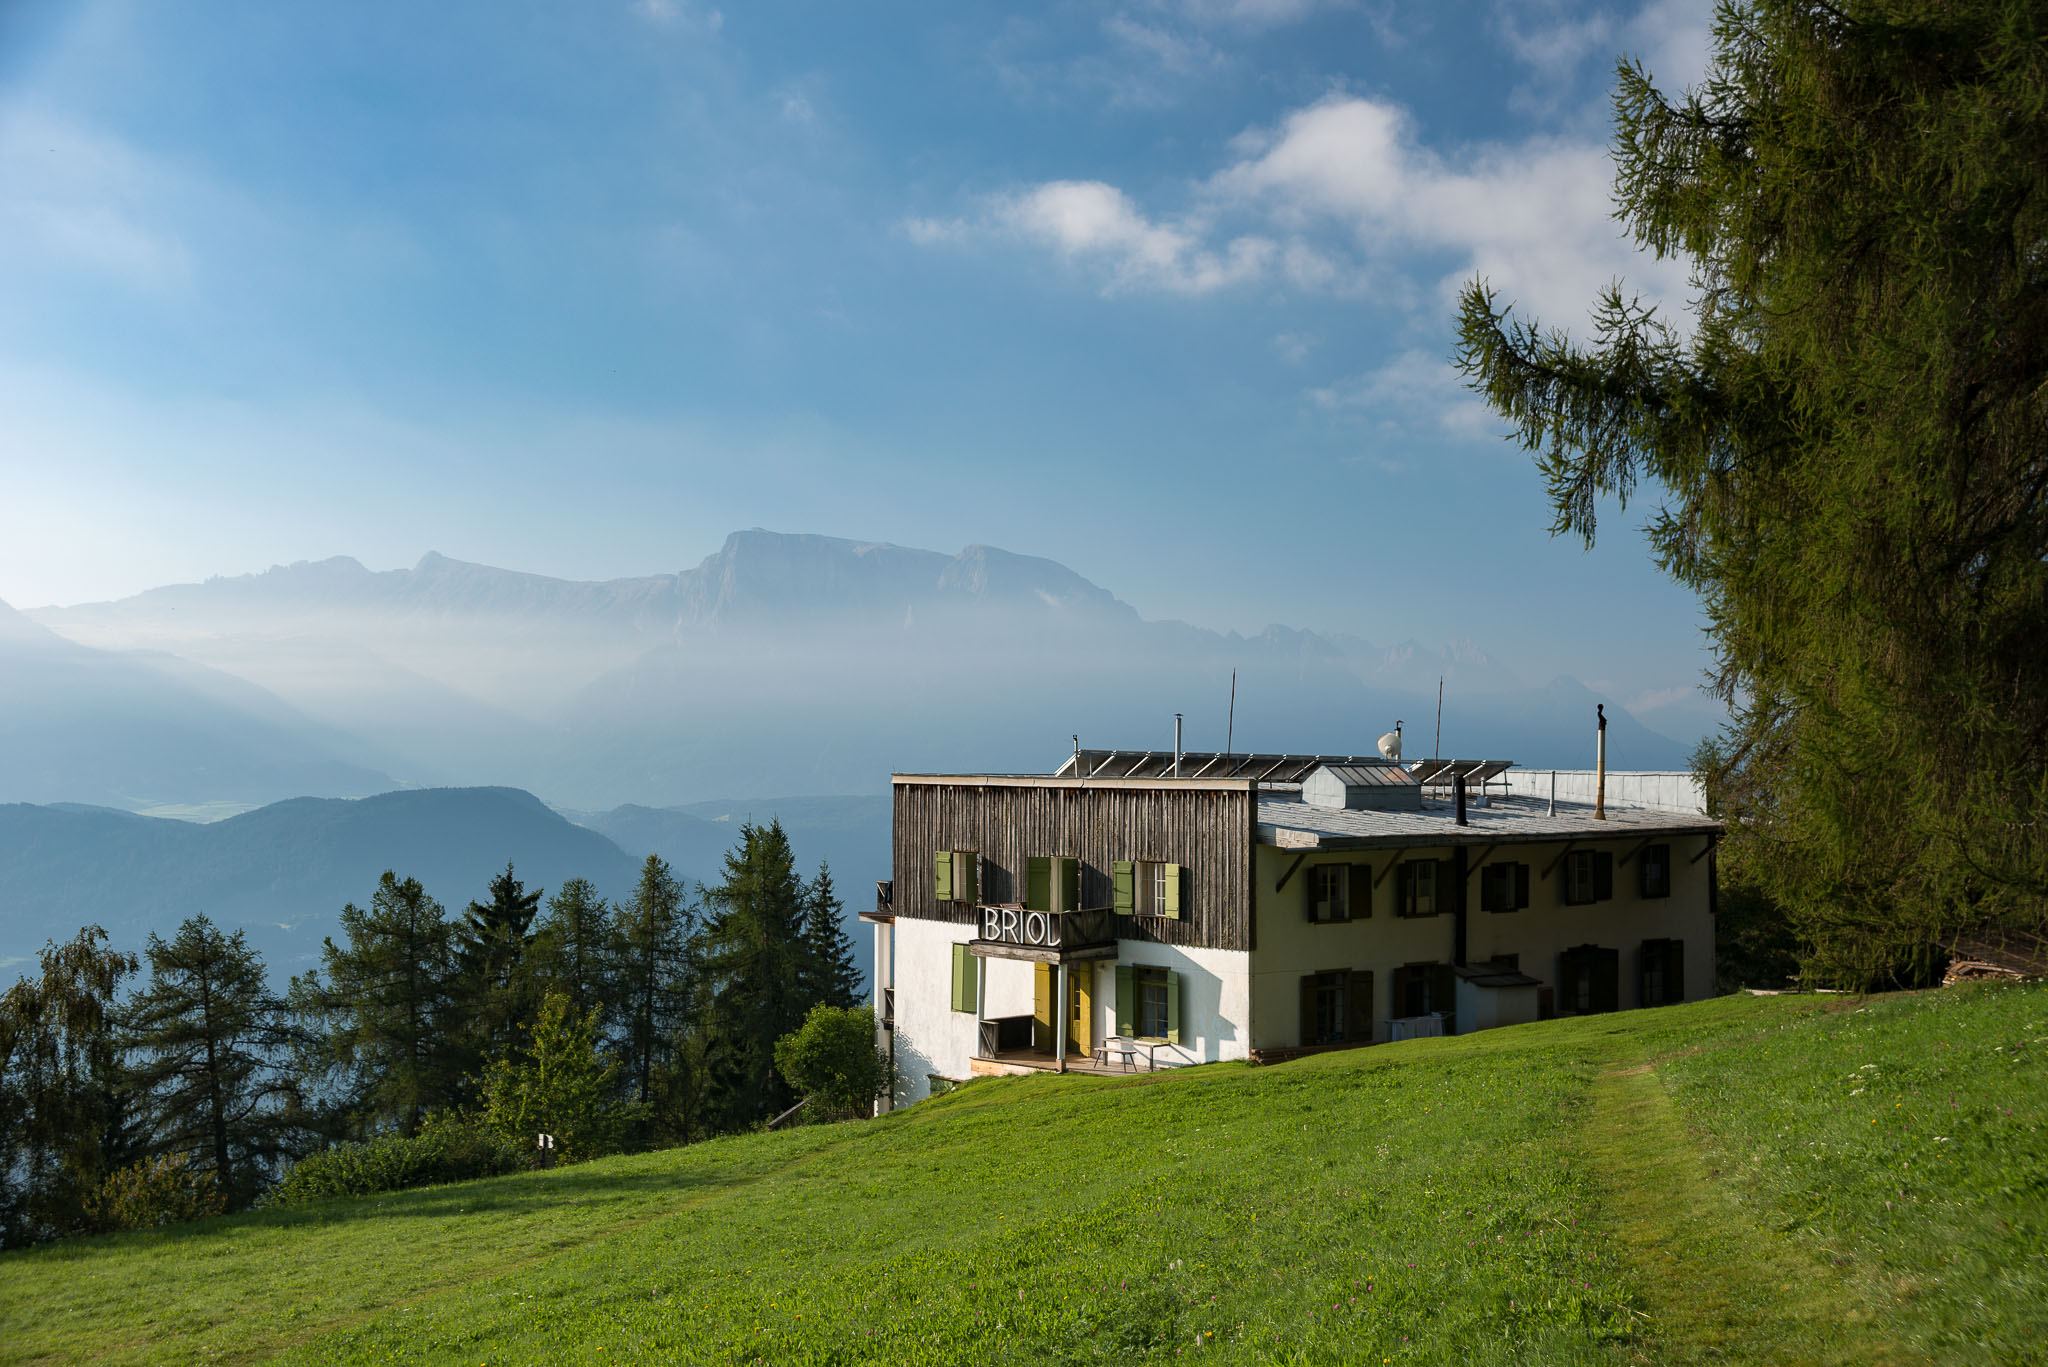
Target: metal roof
{"x":1206,"y":764}
{"x":1293,"y":824}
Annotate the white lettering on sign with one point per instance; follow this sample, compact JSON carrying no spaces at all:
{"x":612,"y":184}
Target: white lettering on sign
{"x":1016,"y":926}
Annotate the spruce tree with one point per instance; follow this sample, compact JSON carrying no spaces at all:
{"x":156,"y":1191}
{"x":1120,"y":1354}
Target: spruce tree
{"x":756,"y":963}
{"x":491,"y":989}
{"x":210,"y":1050}
{"x":1850,"y":445}
{"x":830,"y":976}
{"x":387,"y":1010}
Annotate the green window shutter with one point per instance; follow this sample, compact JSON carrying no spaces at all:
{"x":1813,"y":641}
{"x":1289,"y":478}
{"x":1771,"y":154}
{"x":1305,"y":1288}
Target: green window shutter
{"x":1173,"y":876}
{"x":1126,"y":1001}
{"x":942,"y":875}
{"x":1443,"y":989}
{"x":960,"y":961}
{"x":1173,"y":1012}
{"x":966,"y":876}
{"x":1603,"y":875}
{"x":1607,"y":980}
{"x":1359,"y":902}
{"x":1397,"y":1002}
{"x":1521,"y":886}
{"x":1038,"y":883}
{"x":1674,"y":972}
{"x":1070,"y":884}
{"x":1308,"y":1008}
{"x":1404,"y":892}
{"x":1358,"y":1026}
{"x":1123,"y":881}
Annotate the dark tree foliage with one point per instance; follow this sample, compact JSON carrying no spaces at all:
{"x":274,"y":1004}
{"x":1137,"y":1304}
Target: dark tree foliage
{"x":571,"y":952}
{"x":755,"y":962}
{"x":1850,"y":447}
{"x":61,"y":1089}
{"x":491,"y":986}
{"x":386,"y":1014}
{"x":652,"y":963}
{"x":211,"y":1049}
{"x":828,"y":974}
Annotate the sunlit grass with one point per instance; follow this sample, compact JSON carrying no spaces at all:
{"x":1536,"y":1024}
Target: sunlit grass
{"x":1448,"y":1200}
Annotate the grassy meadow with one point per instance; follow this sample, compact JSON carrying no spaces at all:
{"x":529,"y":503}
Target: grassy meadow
{"x":1747,"y":1180}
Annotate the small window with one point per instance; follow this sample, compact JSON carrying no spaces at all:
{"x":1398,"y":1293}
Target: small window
{"x":1052,"y":884}
{"x":1663,"y":972}
{"x":1503,"y":887}
{"x":1588,"y":877}
{"x":1655,"y":870}
{"x":1588,"y":980}
{"x":1329,"y":892}
{"x":1421,"y":882}
{"x":1423,"y":989}
{"x":1151,"y":1003}
{"x":1149,"y":887}
{"x":1328,"y":1008}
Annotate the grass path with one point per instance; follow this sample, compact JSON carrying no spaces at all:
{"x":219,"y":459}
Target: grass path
{"x":1717,"y":1287}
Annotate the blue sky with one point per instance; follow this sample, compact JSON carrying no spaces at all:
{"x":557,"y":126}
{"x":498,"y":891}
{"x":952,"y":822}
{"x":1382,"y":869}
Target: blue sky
{"x":1162,"y":290}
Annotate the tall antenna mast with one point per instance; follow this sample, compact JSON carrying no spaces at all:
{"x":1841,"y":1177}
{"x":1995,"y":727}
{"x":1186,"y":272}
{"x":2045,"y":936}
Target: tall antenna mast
{"x":1438,"y":752}
{"x":1230,"y":730}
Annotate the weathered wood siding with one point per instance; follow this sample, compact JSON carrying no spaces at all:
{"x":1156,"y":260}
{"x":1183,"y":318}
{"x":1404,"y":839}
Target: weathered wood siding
{"x":1206,"y":830}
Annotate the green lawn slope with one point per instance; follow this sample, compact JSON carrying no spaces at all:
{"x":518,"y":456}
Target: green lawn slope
{"x":1793,"y":1179}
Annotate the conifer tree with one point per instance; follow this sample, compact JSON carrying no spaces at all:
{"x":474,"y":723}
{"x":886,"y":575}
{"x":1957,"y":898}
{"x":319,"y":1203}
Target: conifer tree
{"x":386,"y":1012}
{"x":491,"y":988}
{"x":756,"y":962}
{"x":61,"y":1088}
{"x":830,"y":977}
{"x":652,"y":964}
{"x":1851,"y":447}
{"x":210,"y":1049}
{"x":571,"y":952}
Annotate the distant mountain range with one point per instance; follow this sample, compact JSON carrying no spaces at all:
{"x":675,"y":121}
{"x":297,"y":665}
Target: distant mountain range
{"x":781,"y":664}
{"x":282,"y":872}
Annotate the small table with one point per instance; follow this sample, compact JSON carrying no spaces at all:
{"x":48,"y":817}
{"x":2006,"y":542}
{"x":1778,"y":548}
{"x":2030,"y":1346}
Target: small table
{"x":1127,"y":1050}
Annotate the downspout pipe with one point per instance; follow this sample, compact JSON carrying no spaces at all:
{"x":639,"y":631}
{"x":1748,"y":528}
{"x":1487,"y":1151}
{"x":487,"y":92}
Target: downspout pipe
{"x":1461,"y":868}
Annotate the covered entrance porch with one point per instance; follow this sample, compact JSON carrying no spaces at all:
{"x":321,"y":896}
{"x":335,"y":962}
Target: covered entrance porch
{"x":1051,"y":956}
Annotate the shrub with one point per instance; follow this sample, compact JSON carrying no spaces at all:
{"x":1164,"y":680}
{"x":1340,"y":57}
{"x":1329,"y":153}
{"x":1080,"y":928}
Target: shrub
{"x":448,"y":1148}
{"x":165,"y":1190}
{"x":832,"y":1061}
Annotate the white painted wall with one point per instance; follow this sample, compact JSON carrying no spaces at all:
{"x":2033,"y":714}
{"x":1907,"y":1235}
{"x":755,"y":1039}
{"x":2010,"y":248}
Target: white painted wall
{"x":1290,"y":945}
{"x":1668,"y":790}
{"x":1215,"y":999}
{"x":932,"y":1038}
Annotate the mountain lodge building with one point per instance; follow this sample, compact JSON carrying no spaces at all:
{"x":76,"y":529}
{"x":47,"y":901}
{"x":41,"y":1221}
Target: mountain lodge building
{"x":1112,"y":915}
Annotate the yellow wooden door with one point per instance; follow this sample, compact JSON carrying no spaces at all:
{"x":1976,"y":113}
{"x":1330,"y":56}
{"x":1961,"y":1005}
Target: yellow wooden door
{"x":1080,"y":1008}
{"x":1041,"y":1006}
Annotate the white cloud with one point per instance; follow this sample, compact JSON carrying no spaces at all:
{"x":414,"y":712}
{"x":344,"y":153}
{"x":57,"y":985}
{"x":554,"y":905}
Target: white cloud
{"x":1183,"y":55}
{"x":678,"y":14}
{"x":1294,"y":347}
{"x":1415,"y":388}
{"x":1251,"y":14}
{"x":1673,"y":39}
{"x":1094,"y":223}
{"x":1655,"y":699}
